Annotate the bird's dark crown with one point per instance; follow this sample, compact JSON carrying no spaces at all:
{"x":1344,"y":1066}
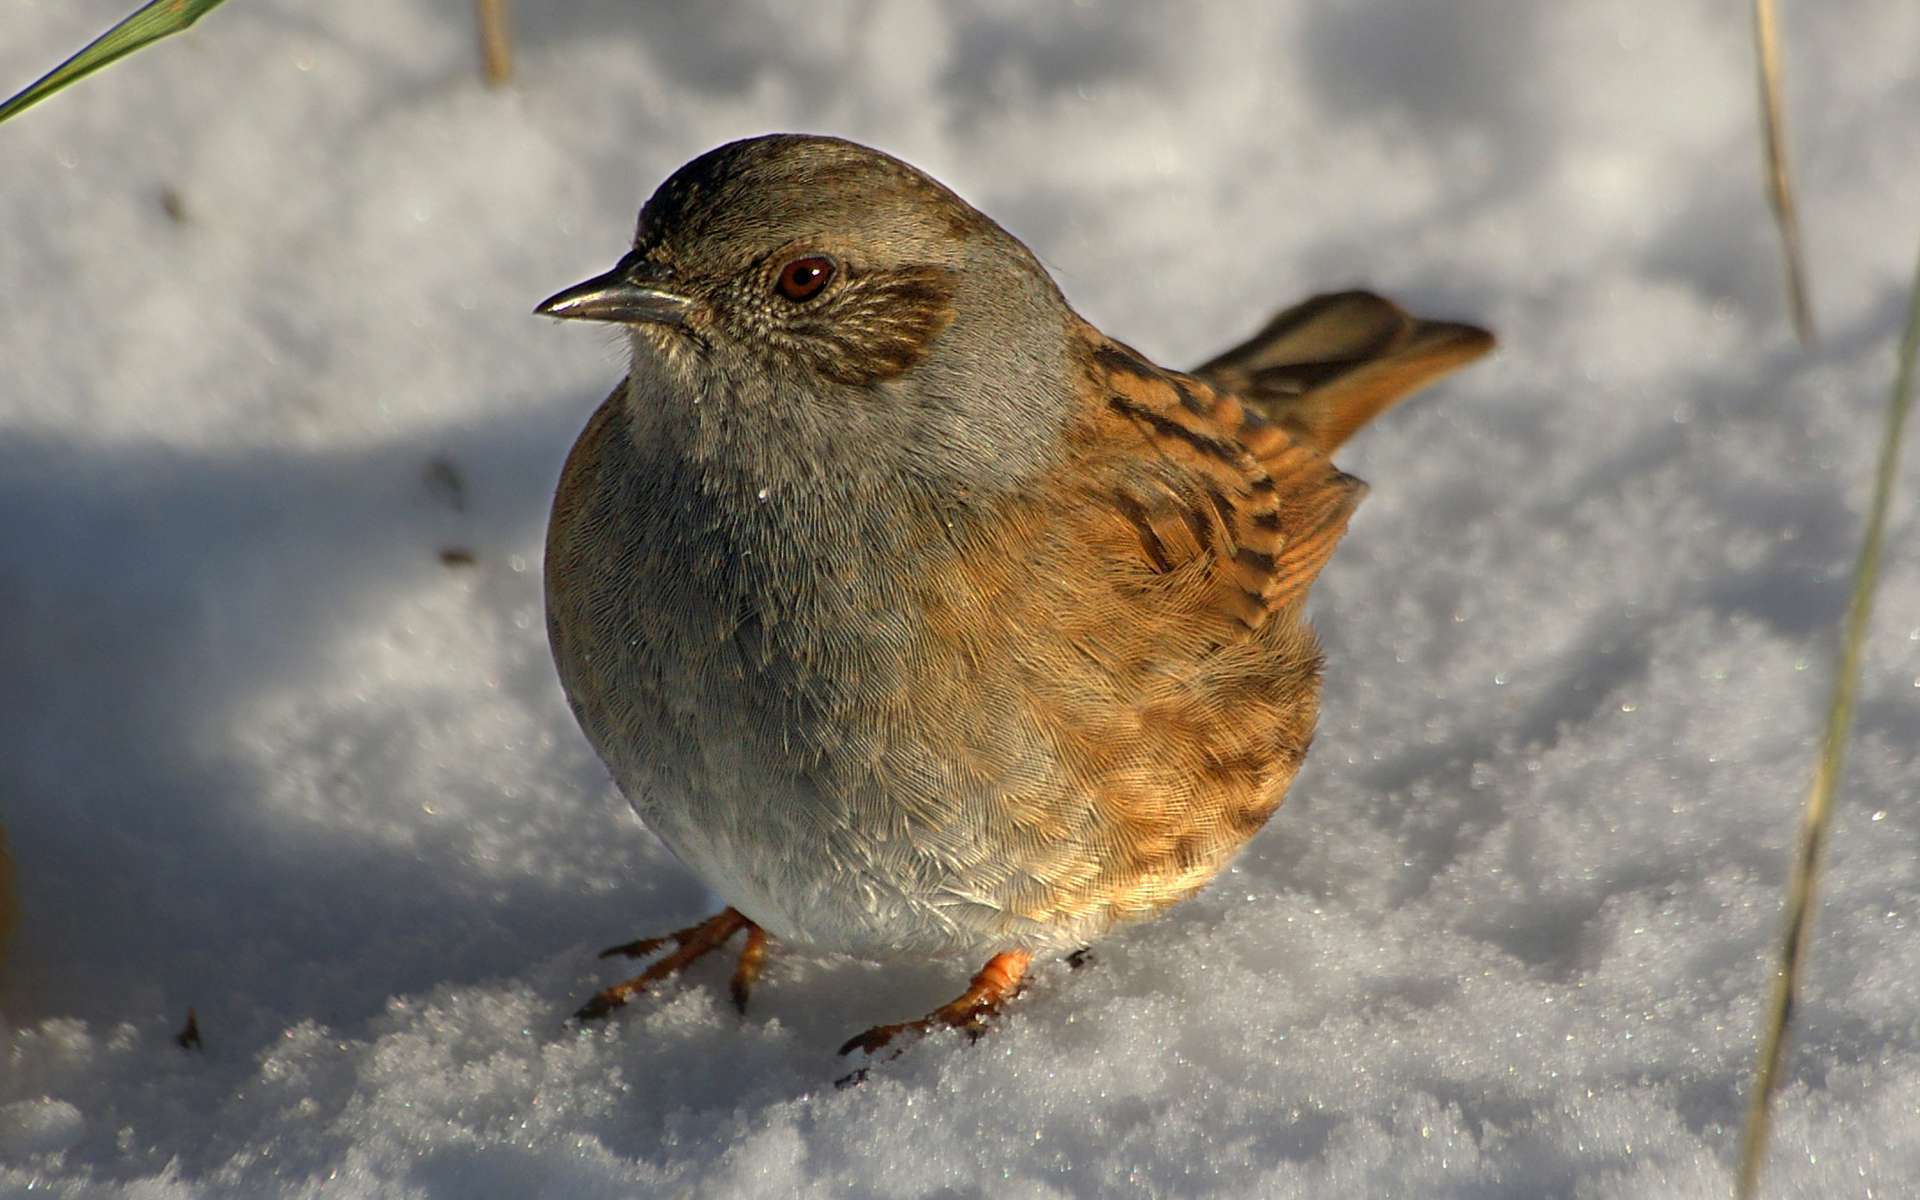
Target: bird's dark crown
{"x":738,"y":193}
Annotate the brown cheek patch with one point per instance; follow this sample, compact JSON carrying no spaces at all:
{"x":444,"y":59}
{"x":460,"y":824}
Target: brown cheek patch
{"x":884,"y":324}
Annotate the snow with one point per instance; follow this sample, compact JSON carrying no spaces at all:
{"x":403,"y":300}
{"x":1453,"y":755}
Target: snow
{"x":262,"y":753}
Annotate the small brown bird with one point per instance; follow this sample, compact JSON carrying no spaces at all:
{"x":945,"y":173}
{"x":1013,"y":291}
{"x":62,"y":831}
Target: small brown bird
{"x":917,"y":616}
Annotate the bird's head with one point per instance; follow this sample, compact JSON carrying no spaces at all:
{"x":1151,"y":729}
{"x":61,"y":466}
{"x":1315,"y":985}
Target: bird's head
{"x":813,"y":273}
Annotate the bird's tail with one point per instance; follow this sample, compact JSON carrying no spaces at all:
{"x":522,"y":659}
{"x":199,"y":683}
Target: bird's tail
{"x":1325,"y":367}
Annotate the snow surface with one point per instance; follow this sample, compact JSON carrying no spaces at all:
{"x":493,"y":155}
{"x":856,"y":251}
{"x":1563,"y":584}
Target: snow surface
{"x":262,"y":753}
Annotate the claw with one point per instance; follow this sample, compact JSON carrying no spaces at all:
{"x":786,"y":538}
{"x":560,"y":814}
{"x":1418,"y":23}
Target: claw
{"x":643,"y":947}
{"x":996,"y":983}
{"x":602,"y":1004}
{"x":690,"y":944}
{"x":877,"y":1037}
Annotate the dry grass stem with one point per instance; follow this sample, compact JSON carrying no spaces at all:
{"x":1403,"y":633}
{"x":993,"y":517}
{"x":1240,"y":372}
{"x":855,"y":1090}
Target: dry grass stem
{"x":496,"y":40}
{"x":1779,"y":181}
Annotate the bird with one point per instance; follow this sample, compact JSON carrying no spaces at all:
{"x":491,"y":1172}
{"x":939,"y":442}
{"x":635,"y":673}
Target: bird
{"x":920,"y":619}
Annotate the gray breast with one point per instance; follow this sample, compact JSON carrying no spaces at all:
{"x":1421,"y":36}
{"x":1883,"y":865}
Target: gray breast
{"x":737,"y":660}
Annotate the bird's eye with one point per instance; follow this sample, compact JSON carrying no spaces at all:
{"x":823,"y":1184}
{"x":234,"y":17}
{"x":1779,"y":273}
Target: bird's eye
{"x":803,"y":278}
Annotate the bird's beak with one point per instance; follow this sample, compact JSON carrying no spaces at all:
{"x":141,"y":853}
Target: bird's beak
{"x":633,"y":293}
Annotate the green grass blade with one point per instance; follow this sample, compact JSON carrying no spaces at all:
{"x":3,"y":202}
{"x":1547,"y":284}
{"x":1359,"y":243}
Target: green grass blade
{"x":1803,"y":885}
{"x":149,"y":23}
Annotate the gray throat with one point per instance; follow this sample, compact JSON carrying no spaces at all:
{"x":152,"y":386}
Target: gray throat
{"x":804,"y":483}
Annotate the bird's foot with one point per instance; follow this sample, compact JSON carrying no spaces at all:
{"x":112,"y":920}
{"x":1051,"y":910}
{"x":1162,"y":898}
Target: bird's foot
{"x":689,"y":944}
{"x":996,"y":983}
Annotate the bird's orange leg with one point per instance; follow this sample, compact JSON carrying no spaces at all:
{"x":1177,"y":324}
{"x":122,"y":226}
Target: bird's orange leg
{"x":689,"y":944}
{"x":746,"y":972}
{"x":996,"y":983}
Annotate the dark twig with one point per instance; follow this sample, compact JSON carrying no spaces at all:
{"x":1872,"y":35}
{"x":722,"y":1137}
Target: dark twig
{"x":189,"y":1037}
